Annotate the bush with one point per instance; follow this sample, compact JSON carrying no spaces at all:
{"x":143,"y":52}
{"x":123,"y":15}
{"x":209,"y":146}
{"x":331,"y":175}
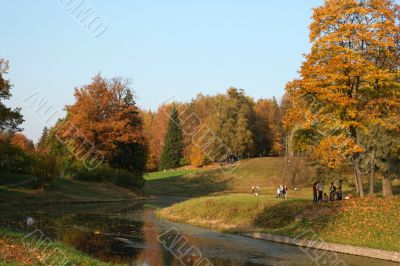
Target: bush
{"x":106,"y":174}
{"x":13,"y":159}
{"x":44,"y":168}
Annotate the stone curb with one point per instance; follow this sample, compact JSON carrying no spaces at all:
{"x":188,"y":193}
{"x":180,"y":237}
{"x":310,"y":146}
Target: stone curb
{"x":321,"y":245}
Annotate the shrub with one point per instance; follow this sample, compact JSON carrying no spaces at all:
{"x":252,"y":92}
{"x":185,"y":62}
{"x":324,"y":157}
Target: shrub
{"x":44,"y":168}
{"x":106,"y":174}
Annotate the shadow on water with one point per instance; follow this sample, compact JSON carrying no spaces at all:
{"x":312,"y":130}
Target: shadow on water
{"x":132,"y":234}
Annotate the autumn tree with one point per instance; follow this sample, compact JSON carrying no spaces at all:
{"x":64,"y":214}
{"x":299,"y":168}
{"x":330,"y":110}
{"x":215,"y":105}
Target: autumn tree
{"x":268,"y":137}
{"x":15,"y":153}
{"x":155,"y":127}
{"x":42,"y":143}
{"x":10,"y":119}
{"x":172,"y":153}
{"x":350,"y":71}
{"x":22,"y":142}
{"x":105,"y":120}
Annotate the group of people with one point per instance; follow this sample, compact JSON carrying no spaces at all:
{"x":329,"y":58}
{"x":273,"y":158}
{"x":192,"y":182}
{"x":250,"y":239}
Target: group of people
{"x":255,"y":190}
{"x":282,"y":192}
{"x":335,"y":193}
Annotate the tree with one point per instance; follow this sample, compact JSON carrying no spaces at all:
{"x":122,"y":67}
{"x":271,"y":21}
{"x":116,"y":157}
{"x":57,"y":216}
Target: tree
{"x":233,"y":122}
{"x":172,"y":153}
{"x":22,"y":142}
{"x":387,"y":160}
{"x":155,"y":127}
{"x":102,"y":116}
{"x":13,"y":158}
{"x":352,"y":69}
{"x":44,"y":169}
{"x":105,"y":120}
{"x":42,"y":144}
{"x":10,"y":119}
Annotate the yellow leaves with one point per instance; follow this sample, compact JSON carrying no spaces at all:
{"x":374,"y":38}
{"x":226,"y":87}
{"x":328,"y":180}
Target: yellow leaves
{"x":333,"y":151}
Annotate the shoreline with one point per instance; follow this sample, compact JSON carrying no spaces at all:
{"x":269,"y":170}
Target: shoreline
{"x":326,"y":246}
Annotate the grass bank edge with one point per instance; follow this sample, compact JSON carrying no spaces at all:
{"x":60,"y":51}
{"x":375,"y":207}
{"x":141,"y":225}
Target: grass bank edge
{"x":370,"y":222}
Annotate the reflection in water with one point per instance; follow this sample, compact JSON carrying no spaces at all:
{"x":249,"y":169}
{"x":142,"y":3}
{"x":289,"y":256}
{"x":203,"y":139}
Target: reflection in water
{"x":130,"y":235}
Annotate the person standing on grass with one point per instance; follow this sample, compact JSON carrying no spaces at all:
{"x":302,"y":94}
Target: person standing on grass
{"x":339,"y":193}
{"x":286,"y":191}
{"x":332,"y":191}
{"x":278,"y":192}
{"x":320,"y":188}
{"x":315,"y":192}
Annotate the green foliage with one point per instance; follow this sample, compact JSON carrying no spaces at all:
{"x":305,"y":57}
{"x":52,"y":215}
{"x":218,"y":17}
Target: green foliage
{"x":130,"y":157}
{"x":234,"y":123}
{"x":173,"y":145}
{"x":44,"y":169}
{"x":106,"y":174}
{"x":12,"y":158}
{"x":9,"y":119}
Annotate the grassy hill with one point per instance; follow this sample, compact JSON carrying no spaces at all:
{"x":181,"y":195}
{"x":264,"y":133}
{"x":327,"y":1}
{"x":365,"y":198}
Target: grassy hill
{"x":264,"y":172}
{"x":19,"y":190}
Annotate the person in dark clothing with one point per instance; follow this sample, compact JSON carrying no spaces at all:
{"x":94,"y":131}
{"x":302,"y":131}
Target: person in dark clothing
{"x":339,"y":194}
{"x":332,"y":191}
{"x":320,"y":188}
{"x":315,"y":192}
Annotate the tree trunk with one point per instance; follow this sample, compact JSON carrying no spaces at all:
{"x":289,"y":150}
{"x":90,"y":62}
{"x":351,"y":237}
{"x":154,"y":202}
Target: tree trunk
{"x":372,"y":183}
{"x":372,"y":174}
{"x":356,"y":164}
{"x":387,"y":186}
{"x":359,"y":181}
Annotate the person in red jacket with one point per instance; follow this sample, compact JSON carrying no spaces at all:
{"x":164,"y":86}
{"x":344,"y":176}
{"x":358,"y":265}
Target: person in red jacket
{"x":315,"y":192}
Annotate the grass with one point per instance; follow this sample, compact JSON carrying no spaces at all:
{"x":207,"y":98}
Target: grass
{"x":264,"y":172}
{"x":61,"y":191}
{"x":17,"y":249}
{"x":231,"y":213}
{"x":156,"y":176}
{"x":370,"y":222}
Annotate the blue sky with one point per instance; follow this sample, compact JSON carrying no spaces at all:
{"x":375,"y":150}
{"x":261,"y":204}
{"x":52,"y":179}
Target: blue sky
{"x":168,"y":48}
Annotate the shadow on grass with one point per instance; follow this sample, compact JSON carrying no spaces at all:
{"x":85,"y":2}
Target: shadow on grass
{"x":282,"y":214}
{"x":183,"y":185}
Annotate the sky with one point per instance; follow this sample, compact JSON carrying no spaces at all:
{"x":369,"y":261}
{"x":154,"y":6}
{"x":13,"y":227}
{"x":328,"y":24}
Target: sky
{"x":167,"y":48}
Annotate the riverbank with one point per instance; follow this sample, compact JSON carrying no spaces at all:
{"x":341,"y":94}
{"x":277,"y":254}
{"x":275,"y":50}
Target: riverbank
{"x":20,"y":190}
{"x":370,"y":222}
{"x":17,"y":192}
{"x":35,"y":249}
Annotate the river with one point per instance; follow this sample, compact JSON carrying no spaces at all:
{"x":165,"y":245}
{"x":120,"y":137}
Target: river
{"x":130,"y":233}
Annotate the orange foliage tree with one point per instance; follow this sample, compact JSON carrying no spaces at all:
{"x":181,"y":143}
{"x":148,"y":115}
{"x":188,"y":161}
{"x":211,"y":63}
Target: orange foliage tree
{"x":351,"y":70}
{"x":21,"y":141}
{"x":105,"y":117}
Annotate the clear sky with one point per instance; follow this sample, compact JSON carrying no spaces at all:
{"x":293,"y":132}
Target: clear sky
{"x":168,"y":48}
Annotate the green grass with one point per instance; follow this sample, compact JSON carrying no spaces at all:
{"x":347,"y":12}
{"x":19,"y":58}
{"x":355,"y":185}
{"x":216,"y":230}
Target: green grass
{"x":171,"y":174}
{"x":264,"y":172}
{"x":370,"y":222}
{"x":230,"y":213}
{"x":59,"y":192}
{"x":15,"y":249}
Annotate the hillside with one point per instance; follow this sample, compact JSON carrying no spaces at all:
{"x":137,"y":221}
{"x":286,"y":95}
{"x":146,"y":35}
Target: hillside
{"x":18,"y":190}
{"x":264,"y":172}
